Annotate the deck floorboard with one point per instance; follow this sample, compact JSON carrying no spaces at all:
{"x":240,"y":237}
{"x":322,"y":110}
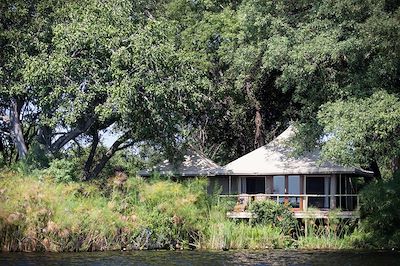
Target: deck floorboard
{"x":324,"y":214}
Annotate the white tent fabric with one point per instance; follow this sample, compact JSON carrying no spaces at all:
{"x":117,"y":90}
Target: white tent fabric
{"x":276,"y":158}
{"x":194,"y":164}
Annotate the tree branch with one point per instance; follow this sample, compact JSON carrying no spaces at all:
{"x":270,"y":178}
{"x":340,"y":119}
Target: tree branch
{"x":130,"y":144}
{"x":116,"y":146}
{"x":61,"y":141}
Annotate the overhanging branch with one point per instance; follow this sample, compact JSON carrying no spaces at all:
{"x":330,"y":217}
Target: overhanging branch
{"x":118,"y":145}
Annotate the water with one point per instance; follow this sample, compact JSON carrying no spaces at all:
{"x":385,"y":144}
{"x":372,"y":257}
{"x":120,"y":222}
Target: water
{"x":270,"y":257}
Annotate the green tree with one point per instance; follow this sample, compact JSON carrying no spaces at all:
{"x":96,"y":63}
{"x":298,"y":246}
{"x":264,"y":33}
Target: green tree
{"x":277,"y":61}
{"x":363,"y":131}
{"x":107,"y":65}
{"x":25,"y":30}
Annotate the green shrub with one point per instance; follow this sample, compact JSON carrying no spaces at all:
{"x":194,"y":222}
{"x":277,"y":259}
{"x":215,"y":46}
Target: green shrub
{"x":271,"y":212}
{"x":37,"y":157}
{"x":380,"y":216}
{"x":35,"y":160}
{"x":63,"y":170}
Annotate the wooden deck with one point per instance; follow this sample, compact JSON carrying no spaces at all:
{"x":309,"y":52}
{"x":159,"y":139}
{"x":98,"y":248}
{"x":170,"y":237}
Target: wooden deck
{"x":304,"y":212}
{"x":326,"y":214}
{"x":320,"y":214}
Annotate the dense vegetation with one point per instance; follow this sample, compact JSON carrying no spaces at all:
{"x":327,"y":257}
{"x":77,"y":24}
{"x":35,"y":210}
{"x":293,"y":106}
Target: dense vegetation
{"x":226,"y":76}
{"x":40,"y":214}
{"x":223,"y":76}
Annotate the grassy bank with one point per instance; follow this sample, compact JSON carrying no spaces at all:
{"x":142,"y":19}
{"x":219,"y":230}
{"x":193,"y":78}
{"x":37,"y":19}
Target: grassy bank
{"x":39,"y":214}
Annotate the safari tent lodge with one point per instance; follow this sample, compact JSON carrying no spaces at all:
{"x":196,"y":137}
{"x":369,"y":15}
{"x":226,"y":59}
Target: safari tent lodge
{"x":272,"y":172}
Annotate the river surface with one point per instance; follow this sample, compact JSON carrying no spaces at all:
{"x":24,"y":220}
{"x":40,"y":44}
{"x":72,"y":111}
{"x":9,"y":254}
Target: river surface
{"x":269,"y":257}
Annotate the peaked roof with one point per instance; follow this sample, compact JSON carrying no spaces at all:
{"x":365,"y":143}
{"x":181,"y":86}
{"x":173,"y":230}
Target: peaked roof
{"x":276,"y":158}
{"x":194,"y":164}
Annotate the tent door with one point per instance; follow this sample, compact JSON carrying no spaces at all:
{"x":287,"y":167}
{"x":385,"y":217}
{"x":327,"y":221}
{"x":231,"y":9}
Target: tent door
{"x":255,"y":185}
{"x":316,"y":185}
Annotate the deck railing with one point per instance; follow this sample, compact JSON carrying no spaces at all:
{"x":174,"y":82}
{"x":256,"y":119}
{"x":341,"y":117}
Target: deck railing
{"x":304,"y":201}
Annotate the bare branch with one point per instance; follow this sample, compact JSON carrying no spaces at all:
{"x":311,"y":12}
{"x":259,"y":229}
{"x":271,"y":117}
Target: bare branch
{"x":129,"y":144}
{"x":5,"y":133}
{"x":116,"y":146}
{"x":60,"y":142}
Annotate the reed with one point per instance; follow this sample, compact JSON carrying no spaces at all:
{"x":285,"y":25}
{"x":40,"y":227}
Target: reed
{"x":332,"y":233}
{"x":38,"y":213}
{"x":232,"y":235}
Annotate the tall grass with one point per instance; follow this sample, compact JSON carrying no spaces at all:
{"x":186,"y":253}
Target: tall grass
{"x":231,"y":235}
{"x":331,"y":233}
{"x":37,"y":213}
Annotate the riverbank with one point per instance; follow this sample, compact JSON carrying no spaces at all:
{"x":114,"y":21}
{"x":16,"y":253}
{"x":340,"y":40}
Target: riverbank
{"x":39,"y":214}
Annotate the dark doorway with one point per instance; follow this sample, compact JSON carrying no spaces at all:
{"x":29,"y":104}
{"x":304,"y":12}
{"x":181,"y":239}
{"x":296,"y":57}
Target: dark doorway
{"x":316,"y":185}
{"x":255,"y":185}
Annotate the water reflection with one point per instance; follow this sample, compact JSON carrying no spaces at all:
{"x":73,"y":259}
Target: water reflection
{"x":272,"y":257}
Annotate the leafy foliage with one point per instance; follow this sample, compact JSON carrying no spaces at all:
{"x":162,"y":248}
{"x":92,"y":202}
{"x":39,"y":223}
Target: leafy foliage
{"x":275,"y":214}
{"x":361,"y":130}
{"x":63,"y":170}
{"x":379,"y":209}
{"x":226,"y":75}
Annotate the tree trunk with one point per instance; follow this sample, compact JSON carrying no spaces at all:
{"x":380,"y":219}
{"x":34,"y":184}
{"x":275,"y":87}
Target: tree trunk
{"x":258,"y":120}
{"x":117,"y":146}
{"x":44,"y":136}
{"x":3,"y":149}
{"x":259,"y":139}
{"x":395,"y":165}
{"x":16,"y":129}
{"x":375,"y":168}
{"x":89,"y":161}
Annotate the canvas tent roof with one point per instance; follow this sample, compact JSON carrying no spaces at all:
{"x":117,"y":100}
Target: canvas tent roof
{"x":276,"y":158}
{"x":194,"y":164}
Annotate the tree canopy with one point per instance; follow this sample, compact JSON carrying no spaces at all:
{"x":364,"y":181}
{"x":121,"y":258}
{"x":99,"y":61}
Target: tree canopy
{"x":226,"y":75}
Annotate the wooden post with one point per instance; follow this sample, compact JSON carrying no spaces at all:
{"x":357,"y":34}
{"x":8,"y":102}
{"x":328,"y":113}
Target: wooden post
{"x":333,"y":192}
{"x":340,"y":191}
{"x":230,"y":185}
{"x":265,"y":185}
{"x":346,"y":191}
{"x":327,"y":182}
{"x":306,"y":205}
{"x":301,"y":192}
{"x":305,"y":227}
{"x":286,"y":199}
